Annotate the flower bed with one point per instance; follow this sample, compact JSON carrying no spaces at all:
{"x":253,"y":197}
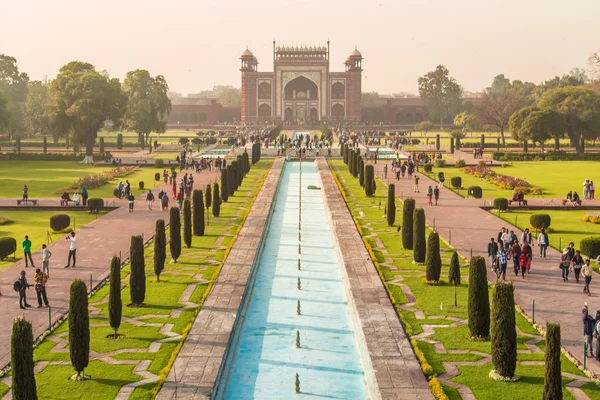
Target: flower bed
{"x":502,"y":181}
{"x":95,"y":181}
{"x":593,"y":217}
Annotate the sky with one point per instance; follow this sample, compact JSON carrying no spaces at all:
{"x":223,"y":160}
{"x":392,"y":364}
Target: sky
{"x":196,"y":44}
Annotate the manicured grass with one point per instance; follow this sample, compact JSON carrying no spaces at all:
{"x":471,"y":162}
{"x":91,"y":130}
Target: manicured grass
{"x":437,"y":301}
{"x":162,"y":307}
{"x":36,"y":224}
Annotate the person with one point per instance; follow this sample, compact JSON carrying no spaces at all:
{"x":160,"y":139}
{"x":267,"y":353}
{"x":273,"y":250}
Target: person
{"x":500,"y":234}
{"x":164,"y":202}
{"x":592,"y":190}
{"x":46,"y":254}
{"x":527,"y":237}
{"x":513,"y":237}
{"x":23,"y":286}
{"x":416,"y":184}
{"x":523,"y":262}
{"x":492,"y":252}
{"x":436,"y":194}
{"x":543,"y":243}
{"x":127,"y":188}
{"x":577,"y":264}
{"x":565,"y":264}
{"x":180,"y":199}
{"x":84,"y":196}
{"x":588,"y":328}
{"x":576,"y":199}
{"x":76,"y":199}
{"x":587,"y":272}
{"x":27,"y":251}
{"x":131,"y":199}
{"x":25,"y":193}
{"x":429,"y":195}
{"x":385,"y":170}
{"x":442,"y":179}
{"x":150,"y":199}
{"x":515,"y":255}
{"x":502,"y":262}
{"x":72,"y":249}
{"x":506,"y":239}
{"x":527,"y":250}
{"x":40,"y":279}
{"x":64,"y":199}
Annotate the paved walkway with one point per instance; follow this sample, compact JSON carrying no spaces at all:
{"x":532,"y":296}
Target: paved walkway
{"x":469,"y":228}
{"x":97,"y":242}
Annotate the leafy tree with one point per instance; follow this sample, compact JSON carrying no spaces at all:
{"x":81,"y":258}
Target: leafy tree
{"x":552,"y":376}
{"x":454,"y":272}
{"x":35,"y":110}
{"x":532,"y":124}
{"x":14,"y":86}
{"x":115,"y":306}
{"x":424,"y":126}
{"x":576,"y":77}
{"x":479,"y":299}
{"x":580,"y":111}
{"x":160,"y":248}
{"x":504,"y":334}
{"x":148,"y":104}
{"x":21,"y":361}
{"x":187,"y":221}
{"x":83,"y":99}
{"x":79,"y":328}
{"x":137,"y":278}
{"x":216,"y":201}
{"x":224,"y":184}
{"x":198,"y":204}
{"x":228,"y":96}
{"x":174,"y":233}
{"x":208,"y":196}
{"x":391,"y":205}
{"x":407,"y":220}
{"x":440,"y":92}
{"x":4,"y":114}
{"x":419,"y":235}
{"x":433,"y":260}
{"x":465,"y":120}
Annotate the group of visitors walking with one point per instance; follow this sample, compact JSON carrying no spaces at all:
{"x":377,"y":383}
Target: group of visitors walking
{"x":507,"y":246}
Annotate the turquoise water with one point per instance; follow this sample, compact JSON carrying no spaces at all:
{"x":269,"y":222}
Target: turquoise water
{"x":264,"y":360}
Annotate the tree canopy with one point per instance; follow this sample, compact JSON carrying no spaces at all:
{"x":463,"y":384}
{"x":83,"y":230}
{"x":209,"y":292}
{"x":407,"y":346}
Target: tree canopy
{"x":441,"y":93}
{"x":14,"y":86}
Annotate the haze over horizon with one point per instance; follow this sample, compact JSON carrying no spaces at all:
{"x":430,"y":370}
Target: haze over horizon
{"x":197,"y":45}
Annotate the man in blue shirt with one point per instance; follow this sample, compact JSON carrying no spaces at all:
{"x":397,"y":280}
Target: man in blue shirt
{"x":502,"y":261}
{"x":588,"y":328}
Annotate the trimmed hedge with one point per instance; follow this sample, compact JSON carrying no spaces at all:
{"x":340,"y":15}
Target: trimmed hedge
{"x":157,"y":176}
{"x":95,"y":204}
{"x":419,"y":246}
{"x":456,"y":182}
{"x":79,"y":326}
{"x":407,"y":221}
{"x":551,"y":156}
{"x":119,"y":141}
{"x":174,"y":233}
{"x":460,"y":163}
{"x":475,"y":192}
{"x":59,"y":222}
{"x":369,"y":180}
{"x":46,"y":157}
{"x":433,"y":262}
{"x":115,"y":304}
{"x":501,"y":204}
{"x":504,"y":334}
{"x":159,"y":163}
{"x":141,"y":185}
{"x":160,"y":248}
{"x":439,"y":163}
{"x":137,"y":277}
{"x":216,"y":201}
{"x":187,"y":221}
{"x":479,"y":299}
{"x":21,"y":356}
{"x":454,"y":270}
{"x":590,"y":246}
{"x":540,"y":221}
{"x":552,"y":376}
{"x":427,"y":167}
{"x":391,"y":205}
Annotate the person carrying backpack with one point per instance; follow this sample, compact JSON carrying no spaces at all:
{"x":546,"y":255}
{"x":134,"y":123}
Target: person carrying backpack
{"x":150,"y":199}
{"x":21,"y":286}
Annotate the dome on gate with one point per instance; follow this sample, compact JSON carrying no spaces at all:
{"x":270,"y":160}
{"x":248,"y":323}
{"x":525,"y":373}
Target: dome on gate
{"x":355,"y":54}
{"x":247,"y":54}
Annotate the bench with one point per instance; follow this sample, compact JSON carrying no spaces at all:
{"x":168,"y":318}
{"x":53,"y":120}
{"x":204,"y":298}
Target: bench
{"x":64,"y":202}
{"x":565,"y":201}
{"x":523,"y":202}
{"x":34,"y":202}
{"x":139,"y":161}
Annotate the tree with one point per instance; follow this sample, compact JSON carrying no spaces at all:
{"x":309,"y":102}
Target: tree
{"x":148,"y":105}
{"x":424,"y":126}
{"x":174,"y":233}
{"x":576,"y":77}
{"x":580,"y":111}
{"x":35,"y":110}
{"x":4,"y":114}
{"x":85,"y":99}
{"x":465,"y":120}
{"x":198,"y":204}
{"x":14,"y":86}
{"x":479,"y":299}
{"x":115,"y":305}
{"x":407,"y":221}
{"x":21,"y":361}
{"x":228,"y":96}
{"x":232,"y":175}
{"x":419,"y":250}
{"x":187,"y":221}
{"x":533,"y":124}
{"x":216,"y":201}
{"x":246,"y":164}
{"x":504,"y":334}
{"x":208,"y":196}
{"x":225,"y":184}
{"x":160,"y":248}
{"x":137,"y":278}
{"x":552,"y":376}
{"x":369,"y":180}
{"x":79,"y":328}
{"x":391,"y":205}
{"x":440,"y":92}
{"x":454,"y":272}
{"x":433,"y":260}
{"x":361,"y":172}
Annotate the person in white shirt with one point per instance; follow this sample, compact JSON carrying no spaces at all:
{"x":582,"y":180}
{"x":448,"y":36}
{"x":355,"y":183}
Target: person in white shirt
{"x":506,"y":239}
{"x":72,"y":249}
{"x":76,"y":199}
{"x":46,"y":254}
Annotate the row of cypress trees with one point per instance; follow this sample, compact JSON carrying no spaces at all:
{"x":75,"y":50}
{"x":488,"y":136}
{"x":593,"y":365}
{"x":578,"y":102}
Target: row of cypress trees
{"x":255,"y":152}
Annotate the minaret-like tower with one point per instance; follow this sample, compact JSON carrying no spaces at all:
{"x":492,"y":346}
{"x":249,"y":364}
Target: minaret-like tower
{"x":248,"y":68}
{"x":353,"y":86}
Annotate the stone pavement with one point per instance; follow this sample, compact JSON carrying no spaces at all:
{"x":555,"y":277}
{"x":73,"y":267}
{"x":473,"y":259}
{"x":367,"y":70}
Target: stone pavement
{"x":468,"y":228}
{"x":97,"y":242}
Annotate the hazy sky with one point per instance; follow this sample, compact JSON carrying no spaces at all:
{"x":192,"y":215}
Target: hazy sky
{"x":196,"y":44}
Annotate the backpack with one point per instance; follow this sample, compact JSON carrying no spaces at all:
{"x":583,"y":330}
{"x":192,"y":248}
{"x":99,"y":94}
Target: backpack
{"x":17,"y":286}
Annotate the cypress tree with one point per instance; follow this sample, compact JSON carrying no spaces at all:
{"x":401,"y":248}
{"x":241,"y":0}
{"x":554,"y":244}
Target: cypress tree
{"x":369,"y":180}
{"x":454,"y":272}
{"x":504,"y":334}
{"x":79,"y":328}
{"x":45,"y":145}
{"x":479,"y":299}
{"x":407,"y":223}
{"x":216,"y":201}
{"x":224,"y":185}
{"x":433,"y":261}
{"x":350,"y":160}
{"x":342,"y":150}
{"x":21,"y":359}
{"x":232,"y":178}
{"x":391,"y":205}
{"x":361,"y":172}
{"x":174,"y":233}
{"x":208,"y":196}
{"x":137,"y":278}
{"x":419,"y":248}
{"x":198,"y":203}
{"x":160,"y":248}
{"x":552,"y":377}
{"x":115,"y":305}
{"x":346,"y":154}
{"x":355,"y":164}
{"x":187,"y":222}
{"x":240,"y":171}
{"x":246,"y":163}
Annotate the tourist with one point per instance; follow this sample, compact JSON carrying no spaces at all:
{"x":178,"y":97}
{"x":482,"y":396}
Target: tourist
{"x":500,"y":234}
{"x":385,"y":171}
{"x":84,"y":196}
{"x":25,"y":193}
{"x":565,"y":264}
{"x":120,"y":189}
{"x":131,"y":199}
{"x":429,"y":195}
{"x":72,"y":249}
{"x":21,"y":287}
{"x":65,"y":199}
{"x":46,"y":254}
{"x":586,"y":189}
{"x":436,"y":194}
{"x":165,"y":176}
{"x":524,"y":261}
{"x":576,"y":199}
{"x":577,"y":264}
{"x":76,"y":199}
{"x":587,"y":272}
{"x":164,"y":201}
{"x":588,"y":329}
{"x":528,"y":251}
{"x":543,"y":243}
{"x":506,"y":239}
{"x":150,"y":199}
{"x":416,"y":184}
{"x":442,"y":179}
{"x":515,"y":254}
{"x":27,"y":251}
{"x":502,"y":261}
{"x":527,"y":237}
{"x":40,"y":278}
{"x":180,"y":199}
{"x":127,"y":188}
{"x":492,"y":252}
{"x":592,"y":190}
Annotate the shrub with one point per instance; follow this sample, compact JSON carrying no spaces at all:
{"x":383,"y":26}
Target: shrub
{"x":391,"y":205}
{"x":590,"y":246}
{"x":208,"y":196}
{"x":59,"y":222}
{"x":8,"y":246}
{"x":216,"y":201}
{"x":115,"y":305}
{"x":433,"y":262}
{"x":407,"y":221}
{"x":419,"y":235}
{"x":198,"y":204}
{"x":439,"y":163}
{"x":157,"y":176}
{"x":415,"y":141}
{"x":475,"y":192}
{"x":159,"y":163}
{"x":224,"y":185}
{"x":119,"y":141}
{"x":141,"y":185}
{"x":187,"y":222}
{"x":501,"y":204}
{"x":95,"y":204}
{"x":504,"y":334}
{"x":460,"y":163}
{"x":427,"y":167}
{"x":183,"y":140}
{"x":456,"y":182}
{"x":454,"y":271}
{"x":21,"y":358}
{"x":479,"y":299}
{"x":369,"y":180}
{"x":137,"y":278}
{"x":481,"y":163}
{"x":552,"y":376}
{"x":79,"y":327}
{"x":160,"y":248}
{"x":174,"y":233}
{"x":451,"y":145}
{"x":540,"y":221}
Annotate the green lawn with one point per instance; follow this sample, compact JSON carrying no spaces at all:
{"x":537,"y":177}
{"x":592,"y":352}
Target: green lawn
{"x":438,"y":300}
{"x":36,"y":224}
